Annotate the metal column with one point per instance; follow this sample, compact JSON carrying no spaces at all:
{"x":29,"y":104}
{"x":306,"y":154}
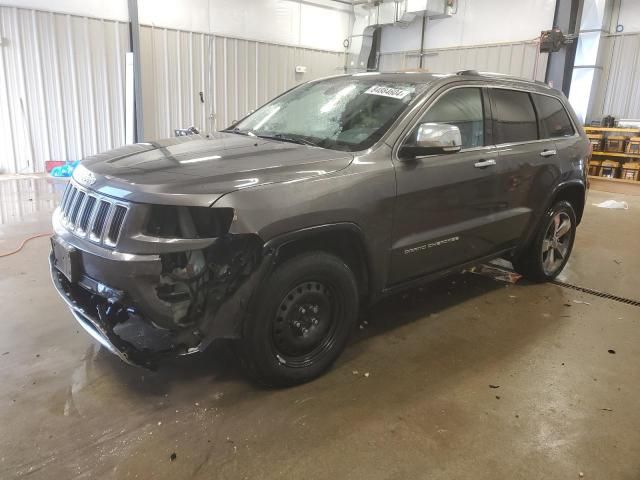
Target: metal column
{"x":560,"y":64}
{"x":134,"y":42}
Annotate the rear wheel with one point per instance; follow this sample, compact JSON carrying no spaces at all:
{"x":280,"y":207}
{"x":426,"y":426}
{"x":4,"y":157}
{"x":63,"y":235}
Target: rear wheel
{"x":301,"y":321}
{"x":549,"y":252}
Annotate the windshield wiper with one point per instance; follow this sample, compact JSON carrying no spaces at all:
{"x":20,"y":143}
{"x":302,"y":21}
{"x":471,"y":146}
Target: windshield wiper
{"x":290,"y":138}
{"x":237,"y":131}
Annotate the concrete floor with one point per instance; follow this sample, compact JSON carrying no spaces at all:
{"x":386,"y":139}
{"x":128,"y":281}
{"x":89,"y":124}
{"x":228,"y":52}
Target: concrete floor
{"x":564,"y":405}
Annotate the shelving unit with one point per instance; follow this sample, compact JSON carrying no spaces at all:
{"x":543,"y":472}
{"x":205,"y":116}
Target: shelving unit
{"x":615,"y":185}
{"x":616,"y":154}
{"x":611,"y":129}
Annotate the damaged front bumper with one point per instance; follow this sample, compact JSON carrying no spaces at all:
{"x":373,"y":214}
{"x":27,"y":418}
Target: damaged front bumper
{"x":102,"y":313}
{"x":115,"y":300}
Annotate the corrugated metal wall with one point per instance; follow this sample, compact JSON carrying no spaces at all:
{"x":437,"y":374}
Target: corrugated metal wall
{"x":234,"y":75}
{"x":60,"y":87}
{"x":618,"y":91}
{"x":62,"y":83}
{"x":517,"y":58}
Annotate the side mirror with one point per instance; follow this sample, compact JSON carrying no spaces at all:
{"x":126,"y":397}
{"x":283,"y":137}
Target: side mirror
{"x":433,"y":139}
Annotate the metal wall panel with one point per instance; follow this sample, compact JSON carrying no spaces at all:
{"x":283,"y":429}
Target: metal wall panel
{"x":234,"y":75}
{"x":62,"y":83}
{"x":520,"y":59}
{"x":61,"y":91}
{"x":617,"y":92}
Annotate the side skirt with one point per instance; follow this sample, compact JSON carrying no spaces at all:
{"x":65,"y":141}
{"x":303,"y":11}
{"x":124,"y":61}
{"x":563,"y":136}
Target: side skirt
{"x":414,"y":282}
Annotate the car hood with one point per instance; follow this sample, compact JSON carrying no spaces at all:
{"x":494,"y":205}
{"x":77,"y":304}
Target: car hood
{"x":198,"y":169}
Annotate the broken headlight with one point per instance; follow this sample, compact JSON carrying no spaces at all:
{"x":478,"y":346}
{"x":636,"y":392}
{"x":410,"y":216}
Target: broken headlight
{"x":170,"y":221}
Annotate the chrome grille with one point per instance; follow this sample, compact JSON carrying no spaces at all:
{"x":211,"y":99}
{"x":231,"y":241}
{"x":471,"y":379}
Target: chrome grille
{"x":116,"y":224}
{"x":86,"y":213}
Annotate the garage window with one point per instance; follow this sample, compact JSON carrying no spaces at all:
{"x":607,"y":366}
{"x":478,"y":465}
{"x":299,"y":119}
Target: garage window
{"x":554,"y":120}
{"x":514,"y":119}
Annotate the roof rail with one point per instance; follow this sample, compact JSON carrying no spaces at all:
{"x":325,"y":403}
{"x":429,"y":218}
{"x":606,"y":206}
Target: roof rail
{"x":468,"y":72}
{"x":499,"y":75}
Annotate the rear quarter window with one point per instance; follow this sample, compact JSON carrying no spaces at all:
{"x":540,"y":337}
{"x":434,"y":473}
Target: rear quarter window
{"x":514,"y":119}
{"x":554,"y":119}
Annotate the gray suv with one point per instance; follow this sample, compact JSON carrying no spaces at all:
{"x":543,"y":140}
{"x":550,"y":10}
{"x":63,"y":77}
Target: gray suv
{"x":276,"y":230}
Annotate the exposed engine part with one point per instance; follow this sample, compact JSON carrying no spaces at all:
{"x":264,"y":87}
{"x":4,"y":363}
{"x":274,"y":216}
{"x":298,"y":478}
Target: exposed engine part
{"x":195,"y":283}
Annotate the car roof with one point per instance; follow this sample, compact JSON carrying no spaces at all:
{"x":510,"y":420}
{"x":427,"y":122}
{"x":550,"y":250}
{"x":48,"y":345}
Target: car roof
{"x":421,"y":76}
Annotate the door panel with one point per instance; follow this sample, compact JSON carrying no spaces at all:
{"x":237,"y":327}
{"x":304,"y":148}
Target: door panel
{"x":447,"y":212}
{"x":527,"y":161}
{"x":450,"y":208}
{"x":528,"y":179}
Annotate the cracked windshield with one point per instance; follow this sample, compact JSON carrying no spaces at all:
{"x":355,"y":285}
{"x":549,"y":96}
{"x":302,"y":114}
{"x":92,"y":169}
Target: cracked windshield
{"x":348,"y":114}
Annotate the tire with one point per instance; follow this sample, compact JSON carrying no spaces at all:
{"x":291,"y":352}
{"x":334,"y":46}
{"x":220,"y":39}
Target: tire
{"x":301,"y":320}
{"x":549,"y":252}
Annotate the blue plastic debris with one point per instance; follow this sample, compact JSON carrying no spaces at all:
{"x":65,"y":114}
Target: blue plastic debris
{"x":65,"y":170}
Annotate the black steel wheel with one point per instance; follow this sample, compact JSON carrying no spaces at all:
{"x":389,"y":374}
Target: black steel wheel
{"x":305,"y":326}
{"x":551,"y":247}
{"x":301,"y":320}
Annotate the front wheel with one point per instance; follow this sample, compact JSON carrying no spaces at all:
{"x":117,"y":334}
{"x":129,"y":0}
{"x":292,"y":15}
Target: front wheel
{"x":549,"y":252}
{"x":301,"y":320}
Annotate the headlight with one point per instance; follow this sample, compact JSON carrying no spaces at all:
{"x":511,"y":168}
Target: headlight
{"x":169,"y":221}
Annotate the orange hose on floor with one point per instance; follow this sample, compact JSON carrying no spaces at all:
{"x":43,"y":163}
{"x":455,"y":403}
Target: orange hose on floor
{"x":24,"y":242}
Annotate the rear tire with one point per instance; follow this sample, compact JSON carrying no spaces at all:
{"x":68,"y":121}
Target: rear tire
{"x":301,"y":320}
{"x":551,"y":247}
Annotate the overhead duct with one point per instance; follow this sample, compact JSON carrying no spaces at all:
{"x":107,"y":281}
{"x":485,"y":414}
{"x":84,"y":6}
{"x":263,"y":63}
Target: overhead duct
{"x":372,"y":15}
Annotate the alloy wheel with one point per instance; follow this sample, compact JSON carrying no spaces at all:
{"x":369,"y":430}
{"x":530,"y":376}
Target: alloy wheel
{"x":556,"y":243}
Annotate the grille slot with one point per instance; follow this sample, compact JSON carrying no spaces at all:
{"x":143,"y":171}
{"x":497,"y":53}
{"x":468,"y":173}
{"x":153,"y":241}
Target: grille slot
{"x":65,"y":196}
{"x":87,"y":213}
{"x":89,"y":204}
{"x":67,"y":206}
{"x":75,"y":209}
{"x":116,"y":224}
{"x":98,"y":223}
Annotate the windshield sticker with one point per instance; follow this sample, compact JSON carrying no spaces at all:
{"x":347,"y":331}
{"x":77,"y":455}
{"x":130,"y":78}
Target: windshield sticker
{"x":387,"y":91}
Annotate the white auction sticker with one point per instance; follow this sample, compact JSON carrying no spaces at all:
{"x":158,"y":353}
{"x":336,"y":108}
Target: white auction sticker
{"x":387,"y":91}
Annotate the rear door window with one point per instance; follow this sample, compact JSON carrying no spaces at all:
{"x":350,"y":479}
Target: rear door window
{"x":554,"y":119}
{"x":514,"y":119}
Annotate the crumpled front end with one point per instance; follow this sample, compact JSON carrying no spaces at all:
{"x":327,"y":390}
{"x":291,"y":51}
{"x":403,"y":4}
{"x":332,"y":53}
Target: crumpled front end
{"x":149,"y":280}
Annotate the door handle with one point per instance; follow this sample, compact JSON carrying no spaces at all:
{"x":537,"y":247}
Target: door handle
{"x":484,"y":163}
{"x":548,"y":153}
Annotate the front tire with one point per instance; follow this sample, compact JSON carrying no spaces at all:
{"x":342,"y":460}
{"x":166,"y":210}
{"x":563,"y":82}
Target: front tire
{"x":546,"y":256}
{"x":301,"y":320}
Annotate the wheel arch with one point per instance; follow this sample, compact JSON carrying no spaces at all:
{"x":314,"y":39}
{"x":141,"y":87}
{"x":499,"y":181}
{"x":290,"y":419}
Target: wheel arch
{"x":573,"y":192}
{"x":345,"y":240}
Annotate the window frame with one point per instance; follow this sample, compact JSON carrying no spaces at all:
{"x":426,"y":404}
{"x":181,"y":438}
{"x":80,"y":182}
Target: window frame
{"x":486,"y":118}
{"x":576,"y":131}
{"x":419,"y":110}
{"x":541,"y":127}
{"x":533,"y":106}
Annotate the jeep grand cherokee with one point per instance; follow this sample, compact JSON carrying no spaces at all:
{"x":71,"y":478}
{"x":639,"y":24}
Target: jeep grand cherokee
{"x":276,"y":230}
